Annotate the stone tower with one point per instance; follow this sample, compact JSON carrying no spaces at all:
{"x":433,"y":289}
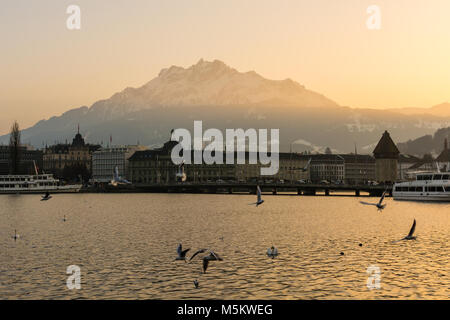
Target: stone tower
{"x":386,"y":156}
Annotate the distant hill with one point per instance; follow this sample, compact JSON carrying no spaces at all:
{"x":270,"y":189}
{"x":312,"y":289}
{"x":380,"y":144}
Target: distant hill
{"x":440,"y":110}
{"x":225,"y":98}
{"x":427,"y":144}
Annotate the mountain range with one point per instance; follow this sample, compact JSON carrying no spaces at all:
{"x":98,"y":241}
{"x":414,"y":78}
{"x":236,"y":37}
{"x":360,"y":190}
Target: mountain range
{"x":427,"y":144}
{"x":442,"y":110}
{"x":225,"y":98}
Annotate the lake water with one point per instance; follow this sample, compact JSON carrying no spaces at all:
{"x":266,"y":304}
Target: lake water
{"x":125,"y":246}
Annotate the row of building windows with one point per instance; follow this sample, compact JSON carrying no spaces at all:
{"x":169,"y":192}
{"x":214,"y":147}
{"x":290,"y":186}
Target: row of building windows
{"x":434,"y":177}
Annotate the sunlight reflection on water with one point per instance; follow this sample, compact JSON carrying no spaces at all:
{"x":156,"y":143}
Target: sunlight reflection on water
{"x":125,"y":245}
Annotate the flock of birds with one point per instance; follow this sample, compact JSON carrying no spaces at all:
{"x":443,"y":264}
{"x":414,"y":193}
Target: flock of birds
{"x":211,"y":256}
{"x":382,"y":206}
{"x":272,"y":252}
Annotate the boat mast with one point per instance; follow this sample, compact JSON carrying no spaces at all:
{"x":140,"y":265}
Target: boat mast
{"x":35,"y":167}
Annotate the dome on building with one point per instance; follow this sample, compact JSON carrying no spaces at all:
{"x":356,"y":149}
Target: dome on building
{"x":78,"y":141}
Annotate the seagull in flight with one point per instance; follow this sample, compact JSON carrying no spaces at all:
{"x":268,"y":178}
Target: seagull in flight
{"x":259,"y":200}
{"x":272,"y":252}
{"x":379,"y":205}
{"x":47,"y":196}
{"x":411,"y":232}
{"x":182,"y":253}
{"x":212,"y":256}
{"x":304,"y":169}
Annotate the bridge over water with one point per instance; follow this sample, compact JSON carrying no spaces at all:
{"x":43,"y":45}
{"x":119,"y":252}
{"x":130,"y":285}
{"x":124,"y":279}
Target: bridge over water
{"x":250,"y":188}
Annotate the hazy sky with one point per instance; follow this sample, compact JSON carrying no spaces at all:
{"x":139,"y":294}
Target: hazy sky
{"x":46,"y":69}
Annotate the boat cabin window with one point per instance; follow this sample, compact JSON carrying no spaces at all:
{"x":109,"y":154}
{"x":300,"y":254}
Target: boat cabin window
{"x":445,"y":177}
{"x":435,"y":189}
{"x":409,"y":189}
{"x":437,"y":177}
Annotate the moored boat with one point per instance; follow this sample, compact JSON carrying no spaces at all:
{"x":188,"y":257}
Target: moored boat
{"x":431,"y":186}
{"x":38,"y":183}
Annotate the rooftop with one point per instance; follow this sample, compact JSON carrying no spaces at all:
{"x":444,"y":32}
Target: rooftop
{"x":445,"y":154}
{"x":386,"y":148}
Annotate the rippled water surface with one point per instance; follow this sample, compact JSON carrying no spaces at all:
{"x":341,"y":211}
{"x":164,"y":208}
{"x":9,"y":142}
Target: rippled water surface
{"x":125,"y":245}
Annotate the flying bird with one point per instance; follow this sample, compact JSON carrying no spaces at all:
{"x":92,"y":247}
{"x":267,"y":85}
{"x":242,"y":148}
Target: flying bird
{"x":47,"y":196}
{"x":181,"y":175}
{"x":181,"y":253}
{"x":379,"y":205}
{"x":117,"y":179}
{"x":259,"y":200}
{"x":411,"y":232}
{"x":272,"y":252}
{"x":212,"y":256}
{"x":304,"y":169}
{"x":196,"y":284}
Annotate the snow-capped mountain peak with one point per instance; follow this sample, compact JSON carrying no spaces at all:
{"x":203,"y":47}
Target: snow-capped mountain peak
{"x":224,"y":97}
{"x":209,"y":83}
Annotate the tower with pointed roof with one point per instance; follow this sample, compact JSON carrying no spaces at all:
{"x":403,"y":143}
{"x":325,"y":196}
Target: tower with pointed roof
{"x":386,"y":156}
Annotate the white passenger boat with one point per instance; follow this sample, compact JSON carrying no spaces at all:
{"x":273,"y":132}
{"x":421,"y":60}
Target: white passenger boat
{"x":38,"y":183}
{"x":432,"y":186}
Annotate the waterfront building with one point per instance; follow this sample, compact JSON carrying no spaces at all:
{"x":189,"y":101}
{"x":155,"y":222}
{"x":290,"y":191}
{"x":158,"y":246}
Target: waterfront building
{"x":386,"y":156}
{"x":152,"y":166}
{"x":407,"y":165}
{"x":424,"y":165}
{"x":156,"y":167}
{"x":28,"y":158}
{"x":105,"y":160}
{"x":358,"y":168}
{"x":291,"y":169}
{"x":326,"y":168}
{"x":69,"y":161}
{"x":341,"y":168}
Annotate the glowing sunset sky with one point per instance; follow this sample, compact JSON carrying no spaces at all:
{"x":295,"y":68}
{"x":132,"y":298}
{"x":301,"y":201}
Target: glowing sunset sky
{"x":325,"y":45}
